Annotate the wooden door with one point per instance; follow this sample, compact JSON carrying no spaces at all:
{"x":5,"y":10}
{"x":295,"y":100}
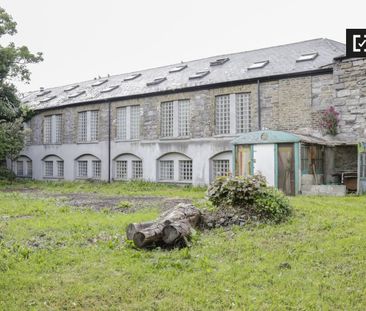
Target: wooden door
{"x":243,"y":160}
{"x":286,"y":168}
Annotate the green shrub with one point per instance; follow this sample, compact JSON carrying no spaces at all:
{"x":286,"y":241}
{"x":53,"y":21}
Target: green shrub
{"x":250,"y":196}
{"x":272,"y":204}
{"x":6,"y":174}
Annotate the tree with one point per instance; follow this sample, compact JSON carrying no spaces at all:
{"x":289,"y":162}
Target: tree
{"x":13,"y":66}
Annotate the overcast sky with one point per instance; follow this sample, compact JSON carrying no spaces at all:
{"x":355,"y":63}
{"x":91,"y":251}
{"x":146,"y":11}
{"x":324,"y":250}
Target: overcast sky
{"x":81,"y":39}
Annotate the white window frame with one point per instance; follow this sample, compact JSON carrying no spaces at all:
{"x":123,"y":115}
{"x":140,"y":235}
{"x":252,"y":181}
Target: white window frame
{"x":48,"y":169}
{"x":233,"y":117}
{"x":128,"y":123}
{"x":176,"y":159}
{"x":88,"y":126}
{"x":54,"y":172}
{"x":180,"y":119}
{"x":25,"y":163}
{"x":52,"y":129}
{"x":222,"y":156}
{"x":129,"y":161}
{"x":91,"y":162}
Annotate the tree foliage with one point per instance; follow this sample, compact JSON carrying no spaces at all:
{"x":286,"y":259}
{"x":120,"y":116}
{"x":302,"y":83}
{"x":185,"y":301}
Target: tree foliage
{"x":14,"y":63}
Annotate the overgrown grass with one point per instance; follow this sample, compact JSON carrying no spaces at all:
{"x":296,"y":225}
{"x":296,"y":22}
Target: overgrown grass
{"x":54,"y":257}
{"x":131,"y":188}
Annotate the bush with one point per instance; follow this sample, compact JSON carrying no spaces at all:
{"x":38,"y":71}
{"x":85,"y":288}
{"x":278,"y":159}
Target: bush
{"x":6,"y":174}
{"x":250,"y":196}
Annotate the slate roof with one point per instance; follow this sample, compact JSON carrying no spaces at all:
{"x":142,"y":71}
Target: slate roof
{"x":282,"y":60}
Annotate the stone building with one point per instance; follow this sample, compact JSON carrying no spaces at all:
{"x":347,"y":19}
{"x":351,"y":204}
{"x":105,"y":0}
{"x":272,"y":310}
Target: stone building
{"x":176,"y":123}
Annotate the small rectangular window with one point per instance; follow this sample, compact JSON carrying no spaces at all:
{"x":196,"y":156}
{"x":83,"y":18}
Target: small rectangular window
{"x":48,"y":168}
{"x":109,"y":88}
{"x":221,"y":168}
{"x":199,"y":75}
{"x":178,"y":68}
{"x":82,"y":169}
{"x":185,"y":170}
{"x":222,"y":114}
{"x":258,"y":65}
{"x":132,"y":76}
{"x":96,"y":168}
{"x":47,"y":99}
{"x":156,"y":81}
{"x":121,"y":170}
{"x":219,"y":61}
{"x":99,"y":82}
{"x":167,"y":116}
{"x":60,"y":168}
{"x":137,"y":169}
{"x":307,"y":57}
{"x":76,"y":94}
{"x":166,"y":169}
{"x":71,"y":87}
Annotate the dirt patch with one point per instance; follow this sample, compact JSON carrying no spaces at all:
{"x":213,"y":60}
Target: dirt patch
{"x":100,"y":202}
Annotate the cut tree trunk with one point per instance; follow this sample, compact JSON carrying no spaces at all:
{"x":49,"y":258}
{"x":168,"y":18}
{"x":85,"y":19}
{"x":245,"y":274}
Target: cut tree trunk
{"x":171,"y":228}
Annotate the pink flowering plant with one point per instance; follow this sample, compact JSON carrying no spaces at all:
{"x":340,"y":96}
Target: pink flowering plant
{"x":329,"y":121}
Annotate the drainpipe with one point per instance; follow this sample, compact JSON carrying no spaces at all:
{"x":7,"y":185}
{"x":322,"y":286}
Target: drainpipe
{"x":259,"y":105}
{"x":109,"y":140}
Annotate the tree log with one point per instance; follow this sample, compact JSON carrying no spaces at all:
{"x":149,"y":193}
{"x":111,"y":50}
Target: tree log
{"x":170,"y":228}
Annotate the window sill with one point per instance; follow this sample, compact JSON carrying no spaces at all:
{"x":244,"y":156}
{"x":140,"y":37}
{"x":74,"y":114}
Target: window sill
{"x":52,"y":178}
{"x":175,"y":182}
{"x":87,"y":142}
{"x":52,"y":144}
{"x":176,"y":138}
{"x":126,"y":140}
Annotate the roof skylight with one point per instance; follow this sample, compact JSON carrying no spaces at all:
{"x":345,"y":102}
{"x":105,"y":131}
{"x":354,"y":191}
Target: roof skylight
{"x":73,"y":95}
{"x":47,"y":99}
{"x":178,"y":68}
{"x":258,"y":65}
{"x":199,"y":74}
{"x":132,"y":77}
{"x":71,"y":87}
{"x":43,"y":93}
{"x":219,"y":61}
{"x":109,"y":89}
{"x":307,"y":57}
{"x":99,"y":82}
{"x":156,"y":81}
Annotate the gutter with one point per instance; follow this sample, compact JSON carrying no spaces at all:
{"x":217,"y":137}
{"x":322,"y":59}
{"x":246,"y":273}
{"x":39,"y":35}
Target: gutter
{"x":197,"y":88}
{"x":109,"y":140}
{"x":259,"y":105}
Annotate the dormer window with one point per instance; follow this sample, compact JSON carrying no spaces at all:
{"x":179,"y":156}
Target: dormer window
{"x":258,"y":65}
{"x":307,"y":57}
{"x":219,"y":61}
{"x":199,"y":74}
{"x":156,"y":81}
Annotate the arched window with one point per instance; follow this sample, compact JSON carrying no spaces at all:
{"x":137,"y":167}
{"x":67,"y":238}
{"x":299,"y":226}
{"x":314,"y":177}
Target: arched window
{"x":221,"y":164}
{"x":127,"y":166}
{"x":22,"y":167}
{"x":175,"y":167}
{"x":88,"y":166}
{"x":53,"y":167}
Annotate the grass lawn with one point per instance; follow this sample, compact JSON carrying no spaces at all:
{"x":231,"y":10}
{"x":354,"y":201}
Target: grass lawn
{"x":59,"y":257}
